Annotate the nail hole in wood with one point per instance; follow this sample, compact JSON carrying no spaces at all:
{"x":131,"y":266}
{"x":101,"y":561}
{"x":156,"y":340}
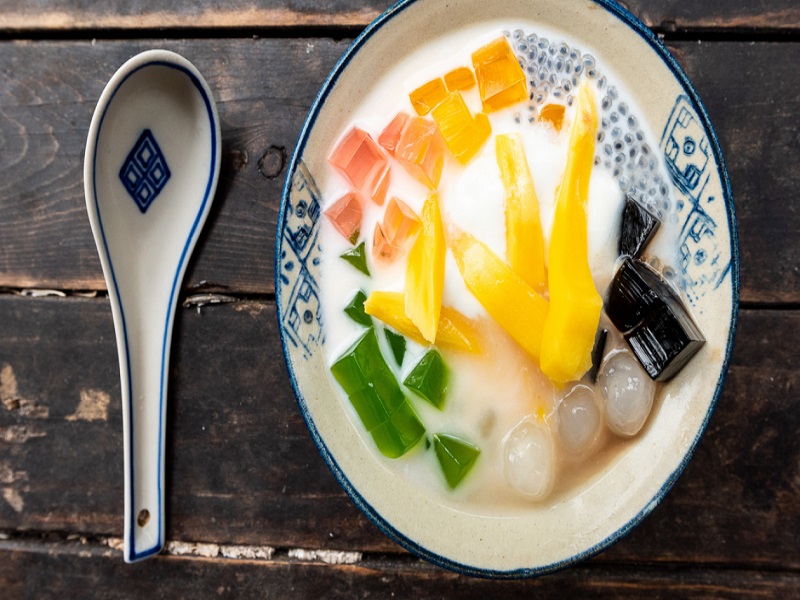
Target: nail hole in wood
{"x":143,"y":518}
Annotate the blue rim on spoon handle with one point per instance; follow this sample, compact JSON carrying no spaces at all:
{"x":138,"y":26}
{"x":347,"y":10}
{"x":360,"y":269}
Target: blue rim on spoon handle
{"x":143,"y":310}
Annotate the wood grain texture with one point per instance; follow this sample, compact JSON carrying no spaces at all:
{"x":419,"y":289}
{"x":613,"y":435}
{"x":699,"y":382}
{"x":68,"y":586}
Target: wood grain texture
{"x":264,"y":89}
{"x":64,"y":15}
{"x":242,"y":468}
{"x":44,"y":570}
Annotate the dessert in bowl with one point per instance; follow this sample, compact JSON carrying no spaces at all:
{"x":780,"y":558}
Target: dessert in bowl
{"x":507,"y":278}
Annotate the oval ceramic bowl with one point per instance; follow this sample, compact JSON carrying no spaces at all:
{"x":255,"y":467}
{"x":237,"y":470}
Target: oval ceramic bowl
{"x":605,"y":508}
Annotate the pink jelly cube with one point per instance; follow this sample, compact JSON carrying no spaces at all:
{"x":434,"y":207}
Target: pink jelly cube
{"x":391,"y":135}
{"x":420,"y":150}
{"x":400,"y":223}
{"x":362,"y":162}
{"x":382,"y":249}
{"x":345,"y":214}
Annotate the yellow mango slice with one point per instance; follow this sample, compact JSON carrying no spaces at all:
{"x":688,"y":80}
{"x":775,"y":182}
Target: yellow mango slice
{"x":524,"y":240}
{"x":511,"y":302}
{"x":455,"y":331}
{"x":425,"y":271}
{"x":574,"y":302}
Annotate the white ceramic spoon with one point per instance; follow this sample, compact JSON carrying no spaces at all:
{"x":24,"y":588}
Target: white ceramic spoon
{"x":150,"y":171}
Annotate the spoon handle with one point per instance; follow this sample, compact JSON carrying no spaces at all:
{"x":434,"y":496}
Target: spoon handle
{"x":145,"y":331}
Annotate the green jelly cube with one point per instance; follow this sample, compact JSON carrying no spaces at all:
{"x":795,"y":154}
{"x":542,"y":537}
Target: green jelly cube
{"x":358,"y":258}
{"x":456,"y":457}
{"x":398,"y":345}
{"x":429,"y":378}
{"x":370,"y":409}
{"x":377,"y":397}
{"x":388,"y":441}
{"x":408,"y":425}
{"x":355,"y":309}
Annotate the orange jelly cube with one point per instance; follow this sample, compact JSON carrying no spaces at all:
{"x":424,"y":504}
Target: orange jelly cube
{"x":459,"y":79}
{"x":345,"y":214}
{"x":399,"y":222}
{"x":391,"y":135}
{"x":363,"y":163}
{"x":501,"y":81}
{"x":427,"y":96}
{"x":463,"y":133}
{"x":421,"y":151}
{"x":382,"y":248}
{"x":552,"y":113}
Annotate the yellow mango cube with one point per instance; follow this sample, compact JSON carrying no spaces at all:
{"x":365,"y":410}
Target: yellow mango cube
{"x":511,"y":302}
{"x":501,"y":81}
{"x":425,"y":271}
{"x":575,"y":305}
{"x":463,"y":133}
{"x":524,"y":239}
{"x":553,"y":114}
{"x":427,"y":96}
{"x":460,"y":78}
{"x":455,"y":331}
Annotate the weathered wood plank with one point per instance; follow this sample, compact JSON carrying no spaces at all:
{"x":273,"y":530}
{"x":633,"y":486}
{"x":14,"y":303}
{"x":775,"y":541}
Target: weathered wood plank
{"x":37,"y":570}
{"x":60,"y":15}
{"x":242,"y":467}
{"x":264,"y":89}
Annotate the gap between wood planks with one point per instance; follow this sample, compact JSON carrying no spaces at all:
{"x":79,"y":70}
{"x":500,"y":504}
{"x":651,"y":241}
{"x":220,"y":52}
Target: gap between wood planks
{"x":189,"y":549}
{"x":192,"y":298}
{"x":667,"y":32}
{"x":87,"y":545}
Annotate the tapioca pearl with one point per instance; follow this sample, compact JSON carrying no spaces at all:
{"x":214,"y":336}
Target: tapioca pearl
{"x":579,"y":419}
{"x":601,"y":83}
{"x":543,"y":44}
{"x":529,"y":459}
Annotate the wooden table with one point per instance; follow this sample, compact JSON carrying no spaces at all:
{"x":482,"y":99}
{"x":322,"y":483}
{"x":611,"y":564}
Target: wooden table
{"x":252,"y":510}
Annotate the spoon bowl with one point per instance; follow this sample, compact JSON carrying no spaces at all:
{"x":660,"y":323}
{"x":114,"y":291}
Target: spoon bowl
{"x":151,"y":168}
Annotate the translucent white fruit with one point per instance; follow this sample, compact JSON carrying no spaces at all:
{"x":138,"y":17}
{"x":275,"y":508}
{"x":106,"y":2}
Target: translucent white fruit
{"x":529,"y":459}
{"x":628,"y":392}
{"x":579,"y":419}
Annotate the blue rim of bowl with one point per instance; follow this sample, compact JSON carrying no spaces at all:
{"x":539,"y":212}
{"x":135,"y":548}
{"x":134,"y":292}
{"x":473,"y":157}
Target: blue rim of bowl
{"x":660,"y":49}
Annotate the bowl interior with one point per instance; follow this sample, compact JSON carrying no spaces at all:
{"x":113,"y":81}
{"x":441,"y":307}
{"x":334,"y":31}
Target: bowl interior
{"x":607,"y":505}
